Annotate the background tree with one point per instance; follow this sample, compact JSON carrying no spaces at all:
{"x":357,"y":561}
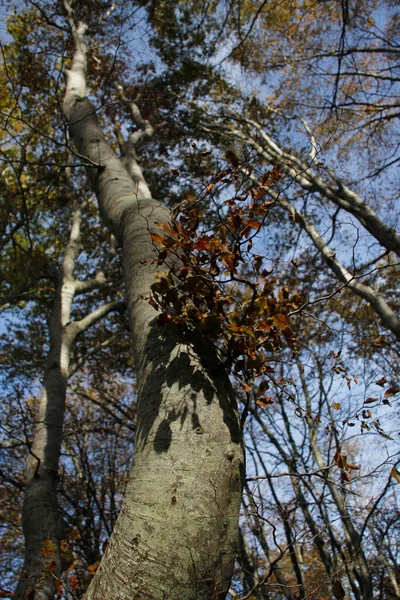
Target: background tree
{"x":277,"y":241}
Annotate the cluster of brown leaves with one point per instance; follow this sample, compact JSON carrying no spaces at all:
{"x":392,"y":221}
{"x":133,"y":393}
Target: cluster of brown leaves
{"x":216,"y":285}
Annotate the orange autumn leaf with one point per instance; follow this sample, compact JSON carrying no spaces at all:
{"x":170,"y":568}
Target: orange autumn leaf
{"x":252,"y":223}
{"x":281,"y":321}
{"x":93,"y":568}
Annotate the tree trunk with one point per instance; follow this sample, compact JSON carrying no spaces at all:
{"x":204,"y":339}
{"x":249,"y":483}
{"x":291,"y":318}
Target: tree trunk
{"x":41,"y":518}
{"x":176,"y":535}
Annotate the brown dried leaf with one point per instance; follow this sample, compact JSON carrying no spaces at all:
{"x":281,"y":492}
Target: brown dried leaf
{"x":232,"y":158}
{"x":391,"y":392}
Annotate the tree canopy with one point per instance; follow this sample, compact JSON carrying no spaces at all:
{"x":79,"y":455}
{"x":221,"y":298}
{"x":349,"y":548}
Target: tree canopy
{"x":199,"y":234}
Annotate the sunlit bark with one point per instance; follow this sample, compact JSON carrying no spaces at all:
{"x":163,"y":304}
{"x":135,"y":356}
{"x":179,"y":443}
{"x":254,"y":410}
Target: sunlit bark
{"x":176,"y":535}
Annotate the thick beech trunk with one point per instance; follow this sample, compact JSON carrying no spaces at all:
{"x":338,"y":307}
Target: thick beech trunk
{"x":175,"y":538}
{"x":176,"y":535}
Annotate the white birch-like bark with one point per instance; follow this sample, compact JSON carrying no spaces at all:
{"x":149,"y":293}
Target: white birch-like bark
{"x":41,"y":515}
{"x":388,"y":317}
{"x":176,"y":535}
{"x":303,"y":174}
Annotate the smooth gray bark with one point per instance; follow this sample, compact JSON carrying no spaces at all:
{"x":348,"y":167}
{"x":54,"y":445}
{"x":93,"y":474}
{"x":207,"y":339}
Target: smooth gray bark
{"x":176,"y":535}
{"x":42,"y":520}
{"x":388,"y":317}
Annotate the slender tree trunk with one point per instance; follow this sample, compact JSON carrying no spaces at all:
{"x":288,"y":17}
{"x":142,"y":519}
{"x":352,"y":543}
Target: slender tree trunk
{"x":176,"y":535}
{"x":41,"y":516}
{"x":270,"y":553}
{"x":250,"y":573}
{"x":359,"y":561}
{"x":388,"y":317}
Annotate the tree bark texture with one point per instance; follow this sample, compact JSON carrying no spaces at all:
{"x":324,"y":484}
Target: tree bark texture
{"x":176,"y":536}
{"x":41,"y":517}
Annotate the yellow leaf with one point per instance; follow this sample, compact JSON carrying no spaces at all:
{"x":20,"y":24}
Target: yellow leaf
{"x":336,"y":405}
{"x":395,"y":474}
{"x":48,"y":547}
{"x":50,"y":568}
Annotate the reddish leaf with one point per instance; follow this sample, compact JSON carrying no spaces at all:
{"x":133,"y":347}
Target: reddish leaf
{"x":263,"y":402}
{"x":73,"y":582}
{"x":202,"y":243}
{"x":59,"y":587}
{"x":258,"y":192}
{"x":252,"y":223}
{"x":353,"y":467}
{"x":339,"y":460}
{"x":153,"y":303}
{"x":229,"y":261}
